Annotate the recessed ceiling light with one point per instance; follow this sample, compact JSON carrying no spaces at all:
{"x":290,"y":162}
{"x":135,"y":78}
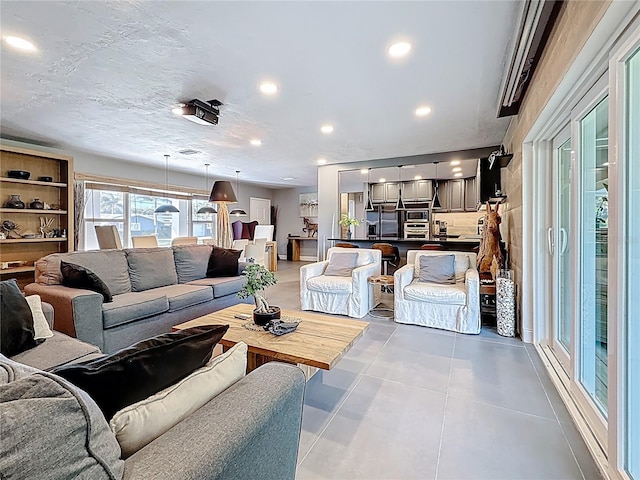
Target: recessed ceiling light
{"x":177,"y":110}
{"x":459,"y":174}
{"x":255,"y":142}
{"x":326,"y":129}
{"x":455,"y":162}
{"x":418,"y":177}
{"x":456,"y":169}
{"x":20,"y":43}
{"x":288,"y":178}
{"x":268,"y":88}
{"x":322,"y":161}
{"x":399,"y":49}
{"x":364,"y":171}
{"x":382,"y":180}
{"x":422,"y":111}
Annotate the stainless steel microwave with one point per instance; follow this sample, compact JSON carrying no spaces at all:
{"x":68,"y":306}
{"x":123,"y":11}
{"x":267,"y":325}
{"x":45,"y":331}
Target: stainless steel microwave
{"x":416,"y":215}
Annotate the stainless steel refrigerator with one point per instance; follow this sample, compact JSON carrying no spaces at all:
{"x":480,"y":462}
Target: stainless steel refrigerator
{"x":383,"y":222}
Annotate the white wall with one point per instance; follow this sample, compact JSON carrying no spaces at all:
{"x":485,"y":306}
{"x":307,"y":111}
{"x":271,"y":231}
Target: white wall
{"x":111,"y":167}
{"x":289,"y":220}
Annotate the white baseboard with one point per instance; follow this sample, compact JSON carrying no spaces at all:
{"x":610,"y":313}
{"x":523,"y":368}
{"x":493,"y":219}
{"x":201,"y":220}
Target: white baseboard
{"x":303,"y":258}
{"x":556,"y":373}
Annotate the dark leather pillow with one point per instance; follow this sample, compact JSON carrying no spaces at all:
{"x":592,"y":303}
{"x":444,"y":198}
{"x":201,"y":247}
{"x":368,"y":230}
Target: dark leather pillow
{"x":16,"y":320}
{"x":143,"y":369}
{"x":77,"y":276}
{"x":223,"y":262}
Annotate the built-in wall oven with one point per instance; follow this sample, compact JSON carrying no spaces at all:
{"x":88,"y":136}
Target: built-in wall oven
{"x":416,"y":230}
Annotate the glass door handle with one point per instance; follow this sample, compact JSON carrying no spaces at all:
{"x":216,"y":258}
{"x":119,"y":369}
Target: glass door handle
{"x":563,"y":240}
{"x":550,"y":240}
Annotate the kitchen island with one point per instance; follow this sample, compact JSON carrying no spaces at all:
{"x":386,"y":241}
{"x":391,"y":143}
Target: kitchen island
{"x":459,"y":244}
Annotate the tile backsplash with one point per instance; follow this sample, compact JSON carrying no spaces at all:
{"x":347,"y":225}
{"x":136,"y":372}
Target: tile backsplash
{"x":460,"y":223}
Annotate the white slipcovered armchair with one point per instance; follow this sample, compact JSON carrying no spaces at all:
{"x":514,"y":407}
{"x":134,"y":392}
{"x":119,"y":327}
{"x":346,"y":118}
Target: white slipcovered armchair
{"x":352,"y":296}
{"x":453,"y":307}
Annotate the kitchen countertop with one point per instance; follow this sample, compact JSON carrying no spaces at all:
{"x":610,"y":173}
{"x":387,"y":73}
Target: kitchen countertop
{"x":435,"y":240}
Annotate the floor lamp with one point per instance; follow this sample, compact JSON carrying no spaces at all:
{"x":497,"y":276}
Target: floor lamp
{"x":222,"y":193}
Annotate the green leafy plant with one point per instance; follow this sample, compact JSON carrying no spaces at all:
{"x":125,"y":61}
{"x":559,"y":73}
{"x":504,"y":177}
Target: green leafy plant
{"x":347,"y":221}
{"x":258,"y":278}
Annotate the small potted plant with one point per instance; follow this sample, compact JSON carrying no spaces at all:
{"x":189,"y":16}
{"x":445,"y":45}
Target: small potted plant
{"x":346,"y":221}
{"x":259,"y":278}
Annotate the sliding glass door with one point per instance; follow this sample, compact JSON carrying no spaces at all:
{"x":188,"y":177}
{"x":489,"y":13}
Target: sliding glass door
{"x":593,"y":262}
{"x":559,"y":244}
{"x":632,"y":296}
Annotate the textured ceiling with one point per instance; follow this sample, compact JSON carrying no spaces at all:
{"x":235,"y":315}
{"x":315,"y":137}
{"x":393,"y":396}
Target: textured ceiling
{"x":106,"y":75}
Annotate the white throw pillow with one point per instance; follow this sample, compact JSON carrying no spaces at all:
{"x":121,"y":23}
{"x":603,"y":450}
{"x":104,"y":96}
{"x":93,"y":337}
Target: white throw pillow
{"x":140,"y":423}
{"x":40,"y":324}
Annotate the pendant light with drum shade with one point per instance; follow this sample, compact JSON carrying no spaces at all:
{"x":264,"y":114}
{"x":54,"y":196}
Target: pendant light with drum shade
{"x":206,"y":208}
{"x":237,"y":212}
{"x":400,"y":202}
{"x":170,"y":208}
{"x":369,"y":205}
{"x":436,"y":201}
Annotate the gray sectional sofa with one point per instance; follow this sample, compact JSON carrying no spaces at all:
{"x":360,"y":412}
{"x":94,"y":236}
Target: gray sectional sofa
{"x":153,"y":289}
{"x":250,"y":430}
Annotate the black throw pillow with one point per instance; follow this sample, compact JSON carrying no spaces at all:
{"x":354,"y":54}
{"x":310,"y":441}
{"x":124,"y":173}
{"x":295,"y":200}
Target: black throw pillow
{"x":143,"y":369}
{"x":77,"y":276}
{"x":16,"y":320}
{"x":223,"y":262}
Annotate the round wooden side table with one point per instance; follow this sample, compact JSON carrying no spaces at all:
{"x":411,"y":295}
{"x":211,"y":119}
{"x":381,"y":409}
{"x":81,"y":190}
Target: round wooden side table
{"x":383,"y":310}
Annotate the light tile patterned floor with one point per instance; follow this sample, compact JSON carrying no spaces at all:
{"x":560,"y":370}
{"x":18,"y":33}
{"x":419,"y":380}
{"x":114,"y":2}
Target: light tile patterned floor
{"x":410,"y":402}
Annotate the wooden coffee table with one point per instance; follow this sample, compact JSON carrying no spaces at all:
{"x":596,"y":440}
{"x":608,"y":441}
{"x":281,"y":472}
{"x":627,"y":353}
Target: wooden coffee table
{"x":320,"y":341}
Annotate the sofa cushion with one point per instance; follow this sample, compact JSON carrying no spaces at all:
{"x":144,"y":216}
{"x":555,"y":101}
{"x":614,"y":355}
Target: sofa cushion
{"x":134,"y":373}
{"x":110,"y":265}
{"x":191,"y":261}
{"x":51,"y":429}
{"x":16,"y":320}
{"x":183,"y":296}
{"x":133,"y":306}
{"x":151,"y":268}
{"x":341,"y":264}
{"x":57,"y":350}
{"x":223,"y":262}
{"x":331,"y":284}
{"x":436,"y":293}
{"x":223,"y":286}
{"x":41,"y":327}
{"x":77,"y":276}
{"x":461,"y":263}
{"x":437,"y":269}
{"x":138,"y":424}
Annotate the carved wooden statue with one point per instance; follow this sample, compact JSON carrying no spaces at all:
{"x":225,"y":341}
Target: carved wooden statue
{"x":490,"y":257}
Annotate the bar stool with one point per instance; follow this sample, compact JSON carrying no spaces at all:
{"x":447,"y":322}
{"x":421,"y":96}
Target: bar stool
{"x":429,"y":246}
{"x":390,"y":255}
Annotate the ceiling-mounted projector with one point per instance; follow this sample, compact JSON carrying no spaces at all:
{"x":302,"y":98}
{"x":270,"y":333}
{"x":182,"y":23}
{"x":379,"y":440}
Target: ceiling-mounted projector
{"x":204,"y":113}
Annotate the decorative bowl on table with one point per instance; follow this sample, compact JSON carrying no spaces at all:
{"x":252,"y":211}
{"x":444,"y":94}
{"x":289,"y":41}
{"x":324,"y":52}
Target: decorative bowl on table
{"x":19,"y":174}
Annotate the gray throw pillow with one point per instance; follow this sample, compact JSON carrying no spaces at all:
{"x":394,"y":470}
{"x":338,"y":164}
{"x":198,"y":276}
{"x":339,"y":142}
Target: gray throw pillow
{"x":437,"y":269}
{"x":51,"y":429}
{"x":341,"y":264}
{"x":151,"y":267}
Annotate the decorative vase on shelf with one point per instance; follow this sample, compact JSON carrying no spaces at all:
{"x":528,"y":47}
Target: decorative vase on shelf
{"x":348,"y":234}
{"x":36,"y":204}
{"x":14,"y":202}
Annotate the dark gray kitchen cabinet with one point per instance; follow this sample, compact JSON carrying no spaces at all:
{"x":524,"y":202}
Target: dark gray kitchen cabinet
{"x":424,"y":190}
{"x":443,"y":196}
{"x":377,"y":192}
{"x":409,"y":193}
{"x":456,"y":192}
{"x":391,"y":192}
{"x":470,"y":194}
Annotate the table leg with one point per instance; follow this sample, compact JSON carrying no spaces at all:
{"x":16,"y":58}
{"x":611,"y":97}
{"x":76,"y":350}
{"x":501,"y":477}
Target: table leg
{"x":255,"y":360}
